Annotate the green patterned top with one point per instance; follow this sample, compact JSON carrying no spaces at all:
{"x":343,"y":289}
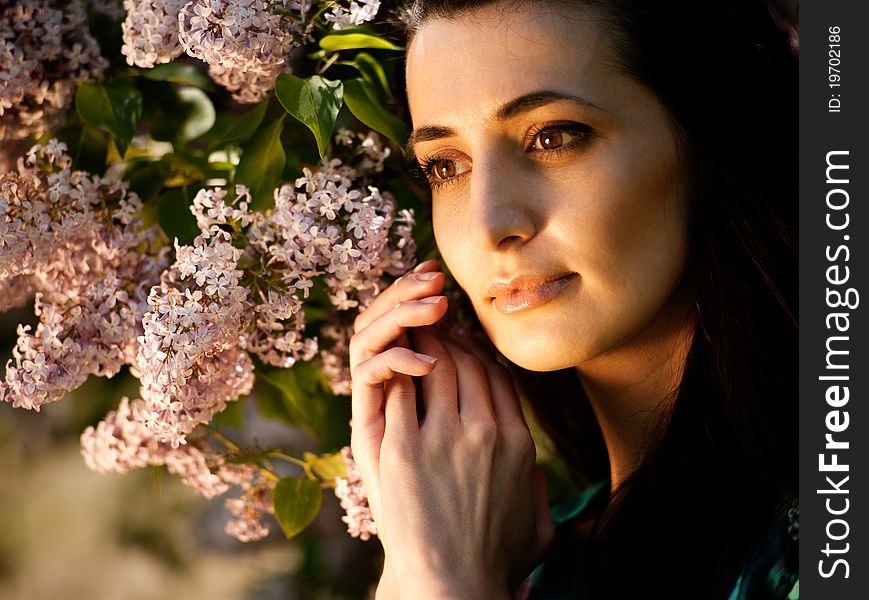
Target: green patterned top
{"x":771,"y":574}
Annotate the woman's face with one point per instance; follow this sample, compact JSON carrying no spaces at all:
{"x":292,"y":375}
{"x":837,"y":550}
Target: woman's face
{"x":559,"y":201}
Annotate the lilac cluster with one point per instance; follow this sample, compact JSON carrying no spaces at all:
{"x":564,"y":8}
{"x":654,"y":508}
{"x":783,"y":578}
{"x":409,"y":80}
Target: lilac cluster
{"x":351,"y":492}
{"x":189,"y":361}
{"x":46,"y":51}
{"x":150,"y":32}
{"x":245,"y":43}
{"x":75,"y":241}
{"x":356,"y":13}
{"x":108,"y":294}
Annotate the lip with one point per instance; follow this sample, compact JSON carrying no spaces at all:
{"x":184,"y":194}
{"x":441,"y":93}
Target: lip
{"x":527,"y":291}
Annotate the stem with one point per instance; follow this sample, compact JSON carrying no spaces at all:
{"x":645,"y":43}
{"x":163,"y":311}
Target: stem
{"x":305,"y":466}
{"x":225,"y":440}
{"x":324,"y":6}
{"x":268,"y":474}
{"x":328,"y":63}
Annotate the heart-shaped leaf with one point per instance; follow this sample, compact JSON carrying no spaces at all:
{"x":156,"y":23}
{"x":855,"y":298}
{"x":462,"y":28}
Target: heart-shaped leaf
{"x":296,"y":503}
{"x":314,"y":101}
{"x":115,"y":107}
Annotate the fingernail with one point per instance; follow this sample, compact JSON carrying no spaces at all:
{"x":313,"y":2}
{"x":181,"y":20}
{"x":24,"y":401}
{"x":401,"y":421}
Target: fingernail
{"x":430,"y":360}
{"x":427,"y":276}
{"x":421,"y":265}
{"x":432,"y":299}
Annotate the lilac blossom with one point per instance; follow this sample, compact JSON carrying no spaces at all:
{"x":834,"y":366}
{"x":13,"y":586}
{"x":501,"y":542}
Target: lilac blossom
{"x":356,"y":13}
{"x":351,"y":492}
{"x":150,"y":32}
{"x":46,"y":51}
{"x":245,"y":43}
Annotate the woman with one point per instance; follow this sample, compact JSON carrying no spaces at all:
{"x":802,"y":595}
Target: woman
{"x":613,"y":187}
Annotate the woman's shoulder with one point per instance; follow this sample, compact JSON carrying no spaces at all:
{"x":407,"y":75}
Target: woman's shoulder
{"x":771,"y":573}
{"x":773,"y":570}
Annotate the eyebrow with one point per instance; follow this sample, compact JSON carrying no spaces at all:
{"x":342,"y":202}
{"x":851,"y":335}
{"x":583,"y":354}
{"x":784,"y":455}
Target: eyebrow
{"x":509,"y":110}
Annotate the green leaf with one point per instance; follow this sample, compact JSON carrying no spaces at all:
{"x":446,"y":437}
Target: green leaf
{"x":261,"y":164}
{"x":177,"y":72}
{"x":351,"y":41}
{"x":361,"y":98}
{"x":88,"y":147}
{"x":231,"y":416}
{"x":296,"y":503}
{"x":327,"y":466}
{"x":304,"y":399}
{"x":233,"y":127}
{"x":300,"y":401}
{"x":314,"y":101}
{"x":115,"y":107}
{"x":199,"y":114}
{"x":373,"y":72}
{"x":173,"y":213}
{"x":147,"y":179}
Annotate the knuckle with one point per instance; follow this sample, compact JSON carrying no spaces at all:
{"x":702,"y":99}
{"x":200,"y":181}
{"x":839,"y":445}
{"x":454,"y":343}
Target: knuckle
{"x":354,"y":342}
{"x":359,"y":322}
{"x":481,"y":434}
{"x":396,"y":352}
{"x":363,"y":372}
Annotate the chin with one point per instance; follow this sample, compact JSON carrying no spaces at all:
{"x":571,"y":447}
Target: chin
{"x":540,"y":352}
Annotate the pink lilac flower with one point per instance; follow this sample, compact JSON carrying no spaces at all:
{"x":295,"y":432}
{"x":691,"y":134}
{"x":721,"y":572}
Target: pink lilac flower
{"x":351,"y":492}
{"x":76,"y":242}
{"x":245,"y":43}
{"x":150,"y":32}
{"x":46,"y":51}
{"x":120,"y":443}
{"x":249,"y":508}
{"x":189,"y":363}
{"x":356,"y":13}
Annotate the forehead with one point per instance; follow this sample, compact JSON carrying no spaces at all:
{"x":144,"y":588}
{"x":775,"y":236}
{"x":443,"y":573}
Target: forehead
{"x":468,"y":66}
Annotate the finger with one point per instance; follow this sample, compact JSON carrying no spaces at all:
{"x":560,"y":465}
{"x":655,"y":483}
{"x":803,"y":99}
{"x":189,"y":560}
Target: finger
{"x":369,"y":376}
{"x":439,"y":388}
{"x":475,"y":403}
{"x":401,"y":416}
{"x":423,"y":281}
{"x":505,"y":401}
{"x":389,"y":326}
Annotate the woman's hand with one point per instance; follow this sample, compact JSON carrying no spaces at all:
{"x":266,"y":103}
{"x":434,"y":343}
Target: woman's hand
{"x":460,"y":507}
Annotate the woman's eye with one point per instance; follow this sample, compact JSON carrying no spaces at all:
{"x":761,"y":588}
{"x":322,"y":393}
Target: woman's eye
{"x":445,"y":169}
{"x":554,"y":138}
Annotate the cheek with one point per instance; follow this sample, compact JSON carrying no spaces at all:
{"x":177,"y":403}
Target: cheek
{"x":634,"y":224}
{"x":450,"y":237}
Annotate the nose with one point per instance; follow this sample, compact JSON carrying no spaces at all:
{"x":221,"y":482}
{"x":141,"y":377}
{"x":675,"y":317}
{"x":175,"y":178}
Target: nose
{"x":501,"y":206}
